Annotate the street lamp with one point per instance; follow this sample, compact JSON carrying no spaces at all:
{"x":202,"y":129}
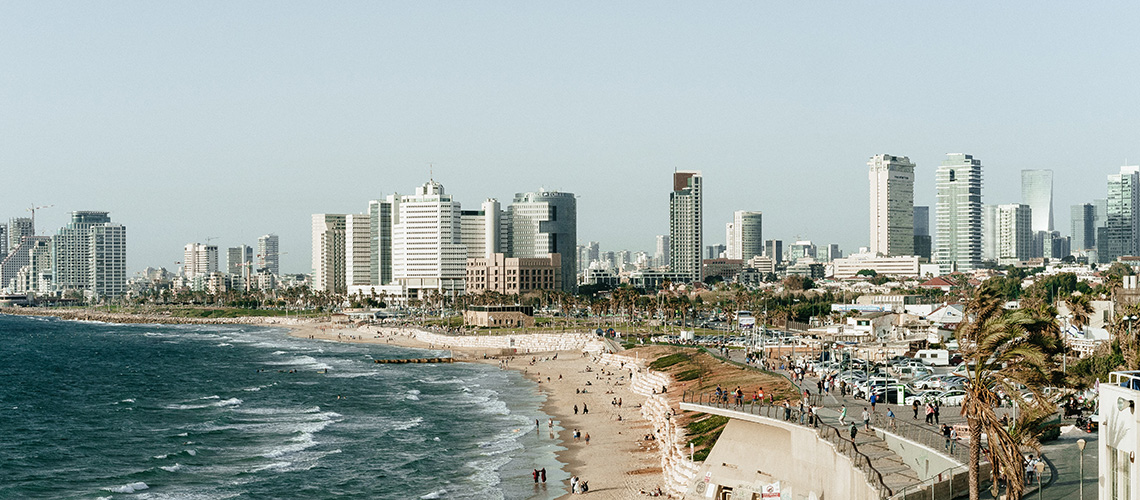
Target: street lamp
{"x":1040,"y":470}
{"x":1065,"y":340}
{"x":1081,"y":447}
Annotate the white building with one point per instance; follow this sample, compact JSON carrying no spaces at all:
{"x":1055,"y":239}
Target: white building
{"x":544,"y":223}
{"x":357,"y":249}
{"x":329,"y":252}
{"x":902,"y":265}
{"x":427,"y":250}
{"x":1037,"y":193}
{"x":959,"y":213}
{"x":198,"y":259}
{"x":1014,"y":233}
{"x":481,"y":231}
{"x":661,"y":253}
{"x":744,"y":235}
{"x":238,"y":259}
{"x":892,"y":205}
{"x":685,"y":225}
{"x":90,"y":256}
{"x":1118,"y":441}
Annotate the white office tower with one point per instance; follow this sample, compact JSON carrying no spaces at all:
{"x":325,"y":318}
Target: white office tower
{"x":358,"y":250}
{"x":1014,"y":233}
{"x":1121,"y":232}
{"x":90,"y":256}
{"x":1037,"y":192}
{"x":267,"y":254}
{"x":685,"y":225}
{"x":35,"y":277}
{"x":239,"y":259}
{"x":990,"y":232}
{"x":744,"y":235}
{"x":661,"y":253}
{"x":199,"y":260}
{"x":329,"y":253}
{"x":18,"y":229}
{"x":482,"y":230}
{"x":892,"y":205}
{"x":427,"y":250}
{"x":18,"y":260}
{"x":545,"y":223}
{"x":959,"y":213}
{"x":3,"y":240}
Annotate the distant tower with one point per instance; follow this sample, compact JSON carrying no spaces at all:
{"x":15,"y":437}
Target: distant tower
{"x":237,"y":257}
{"x":329,"y":253}
{"x":1084,"y":226}
{"x":959,"y":213}
{"x":90,"y":255}
{"x":892,"y":205}
{"x":1121,"y":232}
{"x":1037,"y":192}
{"x":685,"y":227}
{"x":922,"y":240}
{"x":745,"y":235}
{"x":544,"y":223}
{"x":661,"y":253}
{"x":18,"y":228}
{"x":1014,"y":233}
{"x":199,"y":259}
{"x":267,"y":254}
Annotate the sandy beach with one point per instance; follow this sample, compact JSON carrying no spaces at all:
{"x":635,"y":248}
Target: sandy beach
{"x":617,"y":461}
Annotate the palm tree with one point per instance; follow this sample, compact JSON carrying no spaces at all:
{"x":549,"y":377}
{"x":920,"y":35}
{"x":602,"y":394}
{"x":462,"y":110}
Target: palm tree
{"x":1003,"y":351}
{"x":1081,"y":309}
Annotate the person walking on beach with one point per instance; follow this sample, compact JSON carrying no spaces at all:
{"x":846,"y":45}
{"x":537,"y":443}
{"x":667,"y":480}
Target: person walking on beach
{"x":585,"y":410}
{"x":587,"y":438}
{"x":575,"y":409}
{"x":542,"y":475}
{"x":573,"y":484}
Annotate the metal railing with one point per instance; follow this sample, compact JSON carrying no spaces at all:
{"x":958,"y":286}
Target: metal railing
{"x":815,"y":399}
{"x":927,"y":435}
{"x":825,"y":431}
{"x":931,"y":488}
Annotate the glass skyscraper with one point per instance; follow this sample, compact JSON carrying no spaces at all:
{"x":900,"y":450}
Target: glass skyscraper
{"x":959,"y":212}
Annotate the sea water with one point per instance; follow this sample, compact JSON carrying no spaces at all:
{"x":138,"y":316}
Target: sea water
{"x":94,"y":410}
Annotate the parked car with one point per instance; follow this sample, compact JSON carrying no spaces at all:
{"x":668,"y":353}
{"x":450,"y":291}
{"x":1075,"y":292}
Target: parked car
{"x":922,"y":397}
{"x":952,"y":397}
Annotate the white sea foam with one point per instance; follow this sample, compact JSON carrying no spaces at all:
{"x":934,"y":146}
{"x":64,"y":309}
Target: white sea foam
{"x":192,"y":453}
{"x":434,"y":495}
{"x":414,"y":391}
{"x":162,"y":457}
{"x":215,"y":404}
{"x":274,"y":465}
{"x":412,"y":397}
{"x":171,"y":468}
{"x":336,"y":374}
{"x":128,"y":488}
{"x":211,"y":397}
{"x":305,"y":361}
{"x":223,"y":344}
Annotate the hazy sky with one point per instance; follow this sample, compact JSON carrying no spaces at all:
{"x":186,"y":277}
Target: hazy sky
{"x":189,"y":120}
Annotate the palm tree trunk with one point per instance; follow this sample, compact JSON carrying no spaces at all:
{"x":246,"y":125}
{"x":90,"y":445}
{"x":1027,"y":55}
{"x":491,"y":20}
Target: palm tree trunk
{"x":975,"y":457}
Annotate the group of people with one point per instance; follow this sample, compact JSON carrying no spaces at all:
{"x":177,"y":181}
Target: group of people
{"x":539,"y":474}
{"x":579,"y":485}
{"x":951,"y":435}
{"x":932,"y":411}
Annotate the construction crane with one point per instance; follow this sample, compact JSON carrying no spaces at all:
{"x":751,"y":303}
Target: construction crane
{"x":33,"y":209}
{"x":211,"y":238}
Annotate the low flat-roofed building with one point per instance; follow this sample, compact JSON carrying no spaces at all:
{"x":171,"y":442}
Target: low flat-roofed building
{"x":907,"y":265}
{"x":513,"y":275}
{"x":499,"y":316}
{"x":725,"y":268}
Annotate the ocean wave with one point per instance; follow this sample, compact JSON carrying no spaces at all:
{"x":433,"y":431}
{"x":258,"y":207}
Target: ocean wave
{"x":433,"y":495}
{"x":306,"y":361}
{"x":336,"y":374}
{"x":412,"y":397}
{"x":216,"y":404}
{"x":299,"y":443}
{"x":260,"y":387}
{"x":223,"y":344}
{"x":279,"y":411}
{"x":172,"y":468}
{"x":128,"y":488}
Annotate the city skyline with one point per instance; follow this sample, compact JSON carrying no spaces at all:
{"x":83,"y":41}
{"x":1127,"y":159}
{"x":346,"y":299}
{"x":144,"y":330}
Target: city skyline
{"x":117,"y":115}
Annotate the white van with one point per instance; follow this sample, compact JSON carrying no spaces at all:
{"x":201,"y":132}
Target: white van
{"x":934,"y":357}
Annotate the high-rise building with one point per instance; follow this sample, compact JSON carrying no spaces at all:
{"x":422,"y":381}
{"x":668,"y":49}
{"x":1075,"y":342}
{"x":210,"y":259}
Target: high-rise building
{"x":427,"y":246}
{"x":1037,"y":192}
{"x":1121,"y":232}
{"x":685,"y":225}
{"x":774,"y":249}
{"x":545,"y":223}
{"x":358,"y":250}
{"x":90,"y":256}
{"x":892,"y":205}
{"x":329,"y":253}
{"x":1084,"y":226}
{"x":922,"y":239}
{"x":714,"y":251}
{"x":18,"y":260}
{"x":661,"y":253}
{"x":238,"y":258}
{"x":481,"y":230}
{"x":802,"y":249}
{"x":959,"y":213}
{"x":1015,"y":233}
{"x":18,"y":228}
{"x":990,"y":231}
{"x":744,"y":235}
{"x":199,"y":259}
{"x":3,"y":240}
{"x":267,"y":254}
{"x":833,"y":252}
{"x":380,"y":213}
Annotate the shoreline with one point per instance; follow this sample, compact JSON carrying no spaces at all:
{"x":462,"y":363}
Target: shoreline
{"x":617,"y":461}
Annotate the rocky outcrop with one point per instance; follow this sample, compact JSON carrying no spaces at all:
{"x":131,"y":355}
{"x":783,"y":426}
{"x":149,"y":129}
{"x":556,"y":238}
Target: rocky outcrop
{"x":676,"y":468}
